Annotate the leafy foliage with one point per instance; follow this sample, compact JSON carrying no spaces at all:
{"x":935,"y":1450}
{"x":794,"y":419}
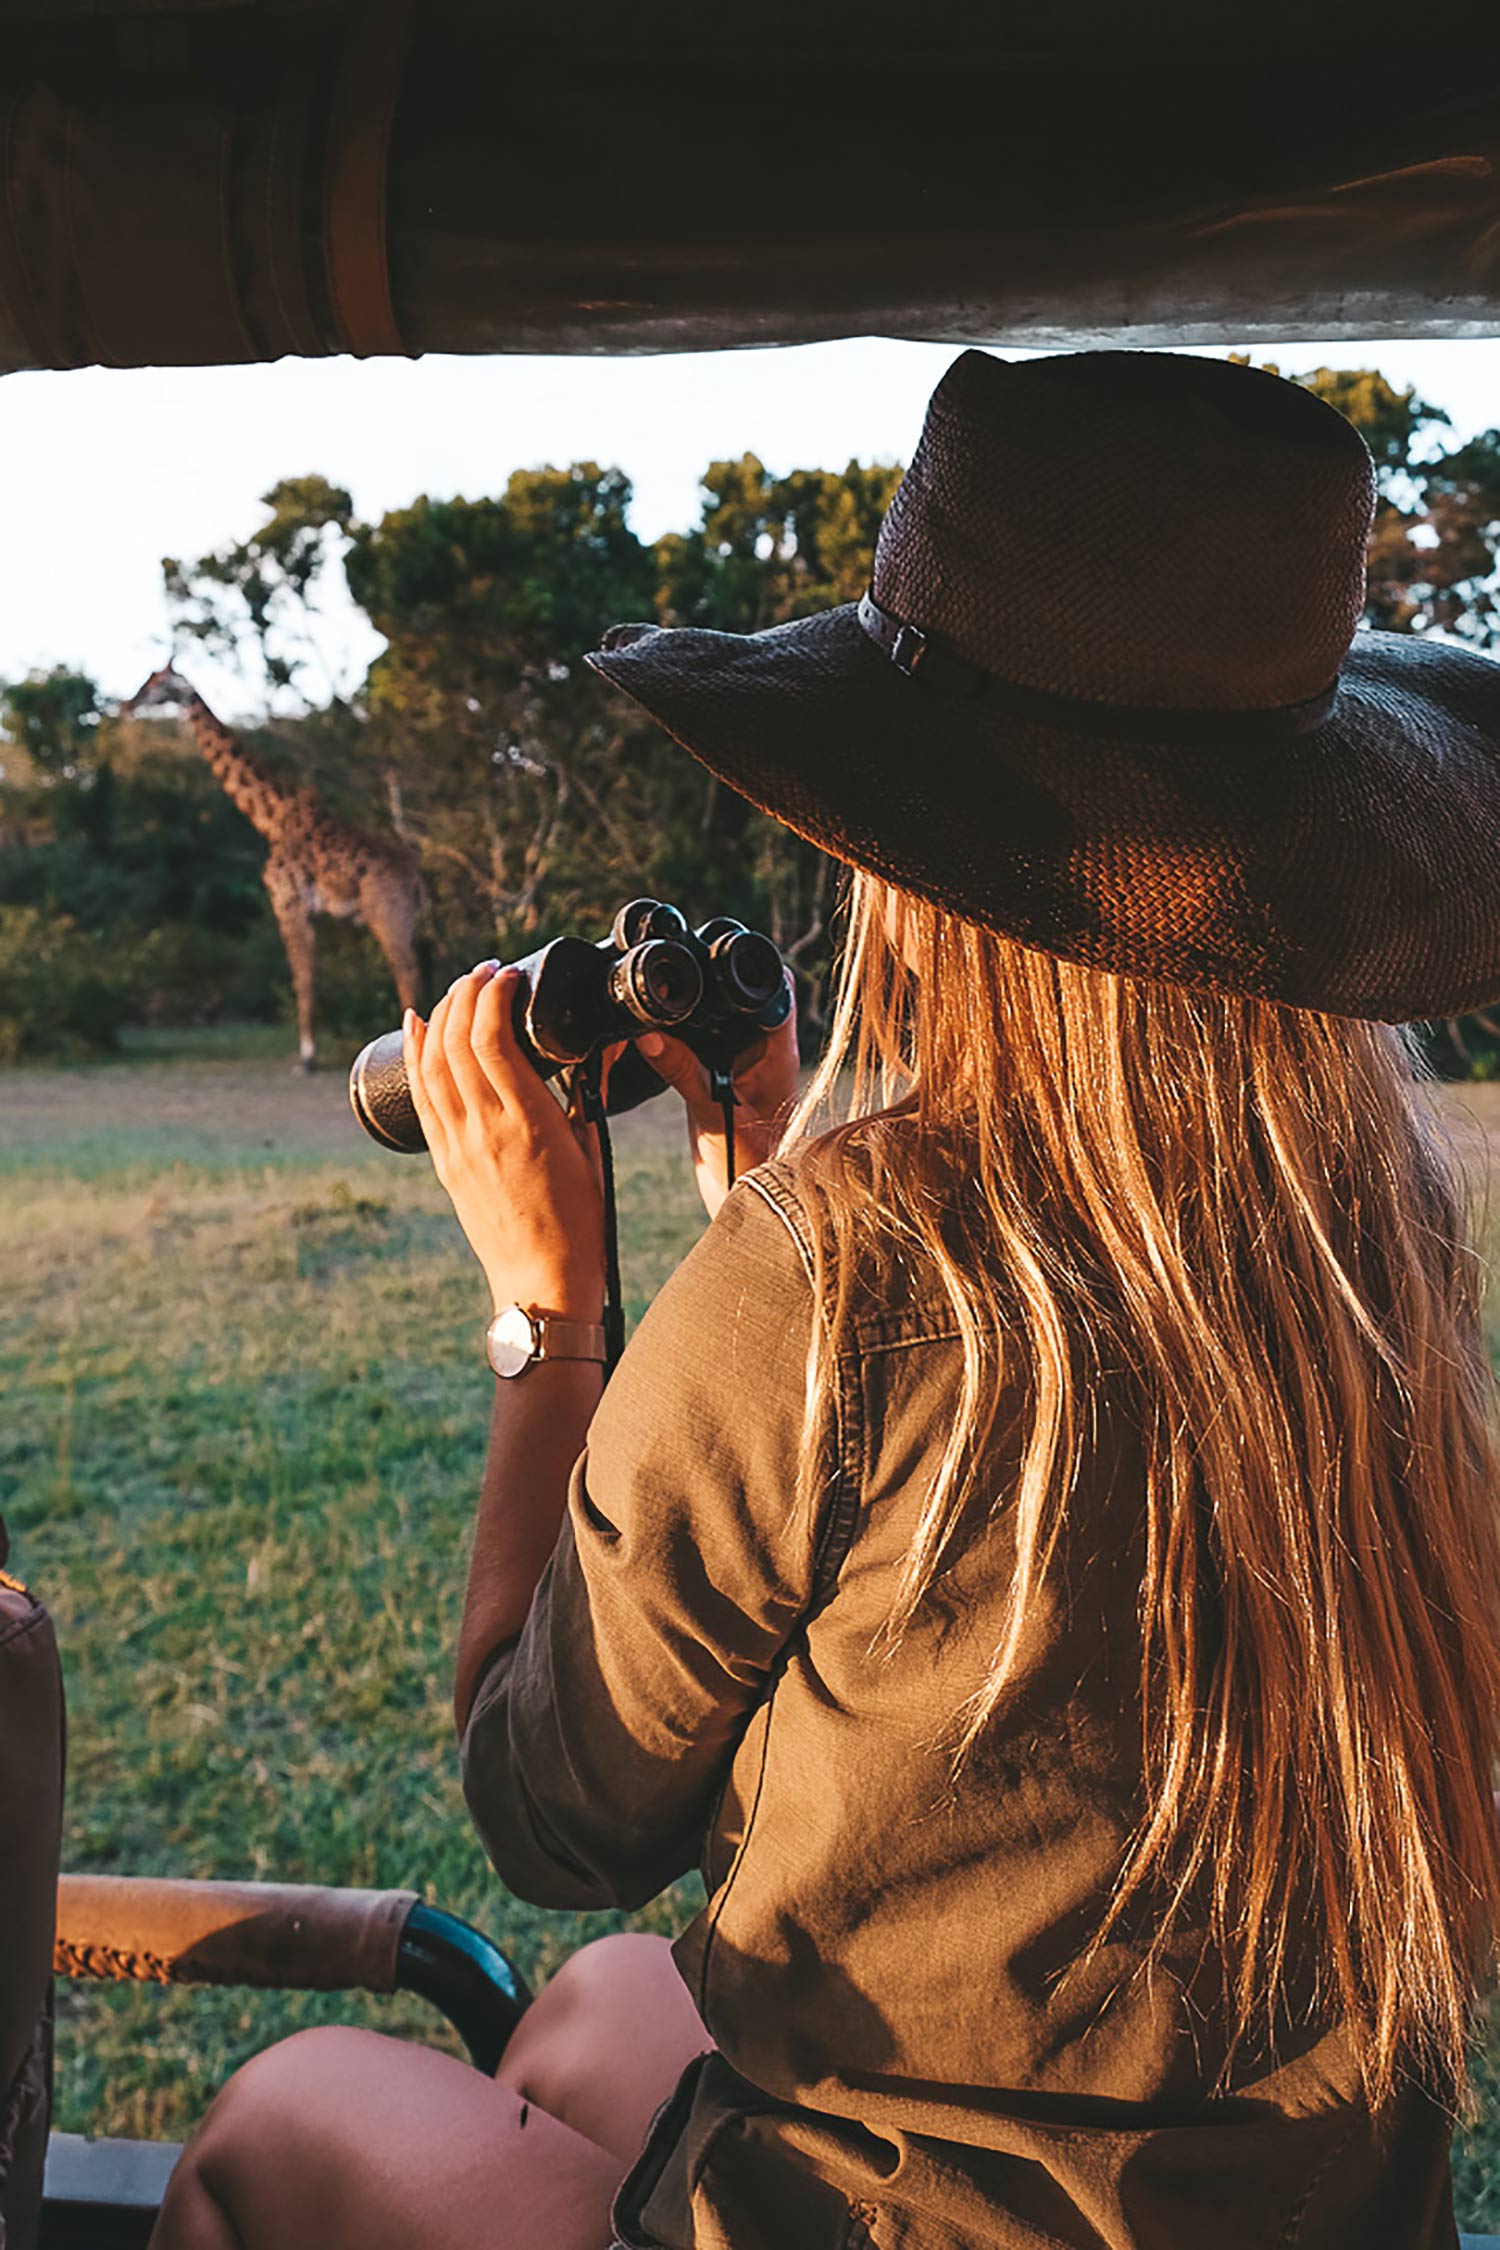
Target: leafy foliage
{"x":56,"y":989}
{"x":250,"y":602}
{"x":1434,"y":556}
{"x":771,"y":548}
{"x":1433,"y":567}
{"x":52,"y":718}
{"x":130,"y":886}
{"x":768,"y":549}
{"x":537,"y":798}
{"x":511,"y":764}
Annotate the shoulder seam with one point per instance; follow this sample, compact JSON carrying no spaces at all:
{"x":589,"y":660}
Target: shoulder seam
{"x":786,"y":1208}
{"x":839,"y":1506}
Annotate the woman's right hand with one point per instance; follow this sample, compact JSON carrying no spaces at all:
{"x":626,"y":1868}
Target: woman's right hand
{"x":765,"y":1086}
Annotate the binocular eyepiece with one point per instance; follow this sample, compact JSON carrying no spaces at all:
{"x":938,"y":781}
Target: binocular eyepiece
{"x":717,"y":988}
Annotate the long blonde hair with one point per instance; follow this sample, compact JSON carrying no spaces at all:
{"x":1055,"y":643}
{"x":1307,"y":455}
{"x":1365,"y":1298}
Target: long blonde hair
{"x":1249,"y":1207}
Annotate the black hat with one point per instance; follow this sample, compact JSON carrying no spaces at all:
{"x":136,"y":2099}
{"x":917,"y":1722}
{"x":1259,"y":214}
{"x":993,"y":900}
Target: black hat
{"x":1106,"y":695}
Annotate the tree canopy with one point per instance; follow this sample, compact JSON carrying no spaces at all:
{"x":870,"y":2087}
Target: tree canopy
{"x":537,"y":798}
{"x":1436,"y":539}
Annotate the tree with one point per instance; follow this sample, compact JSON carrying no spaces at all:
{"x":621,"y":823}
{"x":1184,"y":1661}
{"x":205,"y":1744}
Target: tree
{"x":768,"y":549}
{"x":515,"y":768}
{"x":1395,"y":425}
{"x":126,"y":853}
{"x":1457,"y":542}
{"x":538,"y":797}
{"x":52,"y":718}
{"x":1433,"y":564}
{"x":254,"y":605}
{"x":1434,"y":555}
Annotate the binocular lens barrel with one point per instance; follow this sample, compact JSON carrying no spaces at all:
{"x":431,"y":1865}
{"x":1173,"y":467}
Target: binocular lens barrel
{"x":749,"y":970}
{"x":380,"y":1096}
{"x":643,"y":918}
{"x":659,"y":981}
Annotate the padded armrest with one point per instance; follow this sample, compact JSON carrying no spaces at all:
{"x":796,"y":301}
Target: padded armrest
{"x":289,"y":1936}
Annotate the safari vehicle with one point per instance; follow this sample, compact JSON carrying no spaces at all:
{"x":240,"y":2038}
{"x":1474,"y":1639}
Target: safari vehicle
{"x":197,"y":181}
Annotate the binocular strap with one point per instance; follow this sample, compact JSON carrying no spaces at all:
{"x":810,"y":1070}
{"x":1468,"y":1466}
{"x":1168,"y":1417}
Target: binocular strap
{"x":586,"y":1084}
{"x":723,"y":1093}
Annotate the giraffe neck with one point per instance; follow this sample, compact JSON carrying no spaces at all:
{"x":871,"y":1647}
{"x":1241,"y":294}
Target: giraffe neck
{"x":246,"y":784}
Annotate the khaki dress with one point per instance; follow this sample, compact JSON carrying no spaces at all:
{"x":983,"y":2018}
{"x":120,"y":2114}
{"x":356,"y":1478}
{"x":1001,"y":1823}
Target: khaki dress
{"x":916,"y":2047}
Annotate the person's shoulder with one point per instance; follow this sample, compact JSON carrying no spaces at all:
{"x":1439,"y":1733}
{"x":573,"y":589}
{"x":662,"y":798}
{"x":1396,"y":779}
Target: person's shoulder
{"x":774,"y":1191}
{"x":831,"y":1194}
{"x":744,"y":1285}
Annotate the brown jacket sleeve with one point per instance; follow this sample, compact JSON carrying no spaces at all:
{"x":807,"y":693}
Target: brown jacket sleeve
{"x":599,"y":1740}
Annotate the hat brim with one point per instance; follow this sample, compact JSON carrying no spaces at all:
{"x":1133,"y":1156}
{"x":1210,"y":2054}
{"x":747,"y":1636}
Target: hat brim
{"x":1354,"y":869}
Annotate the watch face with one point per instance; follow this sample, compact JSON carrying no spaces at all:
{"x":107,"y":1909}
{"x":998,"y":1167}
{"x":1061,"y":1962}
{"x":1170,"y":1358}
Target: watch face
{"x":511,"y":1340}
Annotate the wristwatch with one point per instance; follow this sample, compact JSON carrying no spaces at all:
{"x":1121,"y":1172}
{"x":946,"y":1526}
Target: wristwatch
{"x":516,"y":1339}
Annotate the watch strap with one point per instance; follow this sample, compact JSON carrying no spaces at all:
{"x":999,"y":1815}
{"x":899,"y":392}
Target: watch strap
{"x":518,"y":1338}
{"x":568,"y":1339}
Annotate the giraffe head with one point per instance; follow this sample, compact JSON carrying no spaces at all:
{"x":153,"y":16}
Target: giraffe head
{"x":164,"y":687}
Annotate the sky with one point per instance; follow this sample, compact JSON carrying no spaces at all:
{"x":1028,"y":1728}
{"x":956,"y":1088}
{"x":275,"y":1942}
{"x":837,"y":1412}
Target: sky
{"x":104,"y":471}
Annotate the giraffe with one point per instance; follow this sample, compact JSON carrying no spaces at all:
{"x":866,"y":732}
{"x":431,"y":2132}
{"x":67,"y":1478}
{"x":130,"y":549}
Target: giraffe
{"x":317,"y":863}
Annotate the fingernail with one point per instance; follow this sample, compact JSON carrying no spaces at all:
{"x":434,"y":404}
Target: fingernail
{"x":653,"y":1044}
{"x":484,"y":970}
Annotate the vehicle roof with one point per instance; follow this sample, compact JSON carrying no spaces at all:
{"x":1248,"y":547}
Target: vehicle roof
{"x":230,"y":180}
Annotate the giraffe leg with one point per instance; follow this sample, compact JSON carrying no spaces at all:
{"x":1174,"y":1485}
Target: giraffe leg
{"x":388,"y":909}
{"x":298,"y":939}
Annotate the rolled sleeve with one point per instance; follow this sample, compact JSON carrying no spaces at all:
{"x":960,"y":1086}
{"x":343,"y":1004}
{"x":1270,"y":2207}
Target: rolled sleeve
{"x":600,"y":1739}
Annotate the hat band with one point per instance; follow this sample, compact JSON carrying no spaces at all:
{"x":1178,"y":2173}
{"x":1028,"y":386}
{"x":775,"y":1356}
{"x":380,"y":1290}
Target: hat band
{"x":924,"y":656}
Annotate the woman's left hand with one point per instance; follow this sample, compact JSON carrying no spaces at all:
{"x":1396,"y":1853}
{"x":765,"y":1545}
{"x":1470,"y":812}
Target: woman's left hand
{"x":523,"y":1174}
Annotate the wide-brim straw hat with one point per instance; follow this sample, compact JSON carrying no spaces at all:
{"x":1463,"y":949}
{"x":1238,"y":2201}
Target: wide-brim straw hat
{"x":1106,"y":694}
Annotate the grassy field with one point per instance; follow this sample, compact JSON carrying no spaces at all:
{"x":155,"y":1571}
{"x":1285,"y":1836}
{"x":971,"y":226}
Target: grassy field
{"x":245,"y":1416}
{"x":244,"y":1424}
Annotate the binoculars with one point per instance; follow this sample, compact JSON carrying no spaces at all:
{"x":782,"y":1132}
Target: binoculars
{"x":717,"y":988}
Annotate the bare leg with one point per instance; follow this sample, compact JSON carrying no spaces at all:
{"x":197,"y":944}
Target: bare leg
{"x":346,"y":2140}
{"x":605,"y":2042}
{"x":298,"y":940}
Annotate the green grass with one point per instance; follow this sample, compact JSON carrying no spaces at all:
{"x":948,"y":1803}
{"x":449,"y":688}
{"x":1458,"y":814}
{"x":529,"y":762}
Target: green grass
{"x":245,"y":1414}
{"x":245,"y":1419}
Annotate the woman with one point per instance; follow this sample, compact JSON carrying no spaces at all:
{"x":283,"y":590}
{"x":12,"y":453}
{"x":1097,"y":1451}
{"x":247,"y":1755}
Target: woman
{"x":1040,"y":1548}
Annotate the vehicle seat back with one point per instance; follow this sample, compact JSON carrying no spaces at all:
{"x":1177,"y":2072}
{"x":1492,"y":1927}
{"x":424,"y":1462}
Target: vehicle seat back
{"x":31,"y":1788}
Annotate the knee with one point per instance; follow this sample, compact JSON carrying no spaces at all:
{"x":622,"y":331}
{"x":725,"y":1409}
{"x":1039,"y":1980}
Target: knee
{"x":612,"y":1973}
{"x":613,"y":1981}
{"x":595,"y":1998}
{"x":275,"y":2084}
{"x":272,"y":2104}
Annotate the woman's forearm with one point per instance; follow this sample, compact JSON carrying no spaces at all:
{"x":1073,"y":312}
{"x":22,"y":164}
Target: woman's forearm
{"x":526,"y":1182}
{"x":537,"y":1429}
